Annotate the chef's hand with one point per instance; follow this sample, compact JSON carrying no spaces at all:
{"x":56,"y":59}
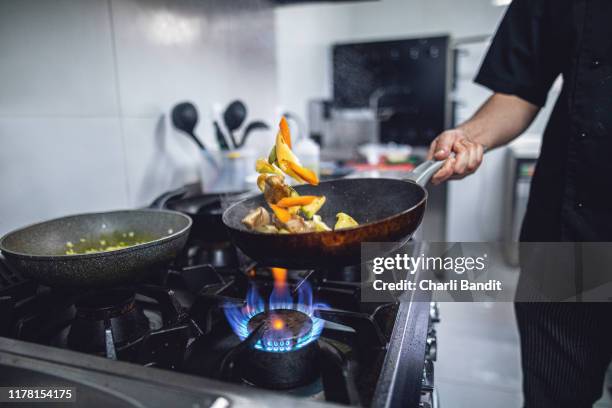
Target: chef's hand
{"x":468,"y":155}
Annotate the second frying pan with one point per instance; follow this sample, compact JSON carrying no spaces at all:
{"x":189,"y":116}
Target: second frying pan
{"x":204,"y":209}
{"x":39,"y":251}
{"x":388,"y":210}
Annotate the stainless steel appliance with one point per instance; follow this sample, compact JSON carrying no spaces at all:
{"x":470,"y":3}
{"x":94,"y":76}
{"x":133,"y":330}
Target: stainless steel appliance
{"x":340,"y":132}
{"x":404,"y":84}
{"x":172,"y":340}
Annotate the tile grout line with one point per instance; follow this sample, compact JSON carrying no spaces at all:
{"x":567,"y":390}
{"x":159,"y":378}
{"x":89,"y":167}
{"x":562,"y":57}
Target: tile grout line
{"x":119,"y":104}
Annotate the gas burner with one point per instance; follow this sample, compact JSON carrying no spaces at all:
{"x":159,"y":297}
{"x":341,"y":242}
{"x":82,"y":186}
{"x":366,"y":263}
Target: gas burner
{"x":103,"y":317}
{"x":281,"y":359}
{"x":294,"y":313}
{"x":283,"y":329}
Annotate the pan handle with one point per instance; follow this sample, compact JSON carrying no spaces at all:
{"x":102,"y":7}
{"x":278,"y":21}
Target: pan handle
{"x":161,"y":201}
{"x":424,"y":171}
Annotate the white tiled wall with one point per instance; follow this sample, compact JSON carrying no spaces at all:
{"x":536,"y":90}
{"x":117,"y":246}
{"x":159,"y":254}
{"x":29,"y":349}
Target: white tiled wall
{"x":56,"y":59}
{"x":86,"y":87}
{"x":55,"y":165}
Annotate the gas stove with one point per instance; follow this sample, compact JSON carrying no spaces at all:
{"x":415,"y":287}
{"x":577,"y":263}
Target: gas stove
{"x":226,"y":332}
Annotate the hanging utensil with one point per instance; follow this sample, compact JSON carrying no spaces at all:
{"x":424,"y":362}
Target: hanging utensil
{"x":185,"y":118}
{"x":256,"y":125}
{"x":220,"y":137}
{"x":233,"y":117}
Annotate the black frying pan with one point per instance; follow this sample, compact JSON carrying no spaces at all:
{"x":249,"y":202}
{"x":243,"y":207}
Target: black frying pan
{"x":205,"y":210}
{"x":388,"y":210}
{"x":39,"y":251}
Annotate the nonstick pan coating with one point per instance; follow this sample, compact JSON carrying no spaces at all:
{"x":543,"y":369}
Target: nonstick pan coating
{"x":39,"y":251}
{"x":387,"y":210}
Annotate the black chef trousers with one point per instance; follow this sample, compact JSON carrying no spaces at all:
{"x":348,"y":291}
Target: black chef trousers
{"x":565,"y":347}
{"x":565,"y":352}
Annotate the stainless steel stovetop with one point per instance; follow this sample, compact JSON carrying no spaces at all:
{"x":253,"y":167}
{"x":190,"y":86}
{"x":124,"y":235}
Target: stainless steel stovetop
{"x":189,"y":356}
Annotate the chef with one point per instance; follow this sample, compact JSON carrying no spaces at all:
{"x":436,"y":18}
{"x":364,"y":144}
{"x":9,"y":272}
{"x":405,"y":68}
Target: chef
{"x":565,"y":347}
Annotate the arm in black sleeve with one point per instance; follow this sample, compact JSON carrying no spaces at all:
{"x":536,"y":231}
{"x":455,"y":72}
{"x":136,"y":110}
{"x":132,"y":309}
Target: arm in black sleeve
{"x":523,"y":59}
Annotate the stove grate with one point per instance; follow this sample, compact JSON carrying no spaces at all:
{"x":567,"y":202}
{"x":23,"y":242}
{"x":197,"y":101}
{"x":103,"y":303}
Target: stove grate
{"x":12,"y":284}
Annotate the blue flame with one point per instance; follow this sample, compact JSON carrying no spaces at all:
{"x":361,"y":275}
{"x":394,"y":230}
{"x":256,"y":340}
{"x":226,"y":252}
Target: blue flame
{"x":239,"y":317}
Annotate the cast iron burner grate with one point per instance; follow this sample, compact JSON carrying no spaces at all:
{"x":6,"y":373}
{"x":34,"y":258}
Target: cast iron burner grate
{"x":105,"y":321}
{"x":12,"y":284}
{"x":279,"y":365}
{"x":144,"y":324}
{"x":13,"y":288}
{"x":189,"y":332}
{"x":340,"y":366}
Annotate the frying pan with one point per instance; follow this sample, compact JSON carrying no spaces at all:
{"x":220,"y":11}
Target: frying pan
{"x":39,"y":251}
{"x":205,"y":210}
{"x":388,"y":210}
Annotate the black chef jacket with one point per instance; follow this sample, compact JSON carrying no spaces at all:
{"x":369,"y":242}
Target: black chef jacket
{"x":538,"y":40}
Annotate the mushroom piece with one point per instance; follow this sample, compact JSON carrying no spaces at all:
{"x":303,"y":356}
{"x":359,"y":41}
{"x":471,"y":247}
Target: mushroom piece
{"x":267,"y":229}
{"x":275,"y":189}
{"x":257,"y":218}
{"x":297,"y":224}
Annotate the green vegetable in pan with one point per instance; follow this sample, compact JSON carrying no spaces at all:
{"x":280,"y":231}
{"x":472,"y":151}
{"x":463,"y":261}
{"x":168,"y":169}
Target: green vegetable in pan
{"x":311,"y":209}
{"x":106,"y":243}
{"x":344,"y":221}
{"x":319,"y":225}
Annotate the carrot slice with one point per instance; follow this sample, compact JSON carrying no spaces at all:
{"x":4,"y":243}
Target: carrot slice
{"x":293,"y":201}
{"x":282,"y":214}
{"x":305,"y":174}
{"x":284,"y":128}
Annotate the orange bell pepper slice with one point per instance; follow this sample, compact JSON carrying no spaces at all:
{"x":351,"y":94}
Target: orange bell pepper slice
{"x":284,"y":128}
{"x":282,"y":214}
{"x":305,"y":174}
{"x":293,"y":201}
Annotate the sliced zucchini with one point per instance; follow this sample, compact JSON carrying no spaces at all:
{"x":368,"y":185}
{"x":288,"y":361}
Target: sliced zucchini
{"x":311,"y":209}
{"x":344,"y":221}
{"x":319,"y":225}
